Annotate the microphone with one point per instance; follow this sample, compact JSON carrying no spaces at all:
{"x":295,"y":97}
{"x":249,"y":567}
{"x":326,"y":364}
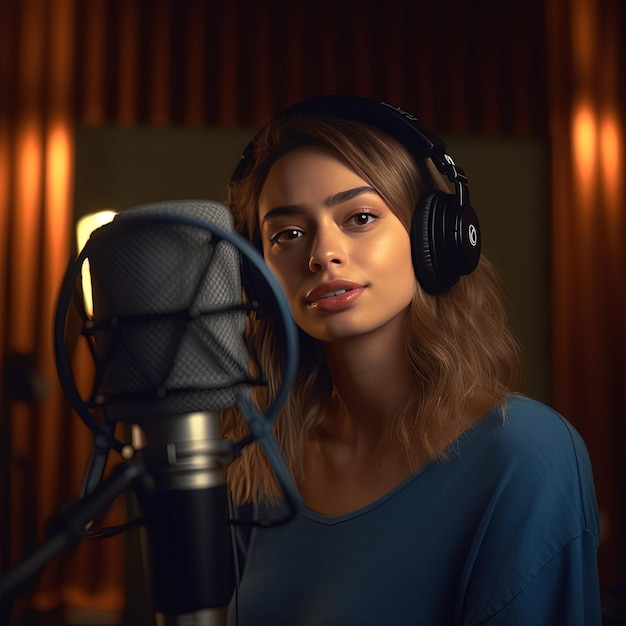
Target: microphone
{"x":167,"y":339}
{"x":168,"y":335}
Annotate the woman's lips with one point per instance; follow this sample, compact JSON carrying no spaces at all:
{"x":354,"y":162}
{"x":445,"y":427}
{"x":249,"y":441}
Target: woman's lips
{"x":334,"y":296}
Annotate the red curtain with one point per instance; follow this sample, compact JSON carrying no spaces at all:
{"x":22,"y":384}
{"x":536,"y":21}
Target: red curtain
{"x":45,"y":447}
{"x":525,"y":68}
{"x":476,"y":67}
{"x":587,"y":128}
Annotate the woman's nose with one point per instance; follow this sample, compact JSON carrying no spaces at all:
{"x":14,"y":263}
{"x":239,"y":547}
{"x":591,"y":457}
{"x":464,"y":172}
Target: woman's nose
{"x":328,"y":248}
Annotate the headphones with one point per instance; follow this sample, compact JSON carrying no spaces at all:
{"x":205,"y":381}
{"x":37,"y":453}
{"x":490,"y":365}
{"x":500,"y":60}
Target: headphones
{"x":445,"y":235}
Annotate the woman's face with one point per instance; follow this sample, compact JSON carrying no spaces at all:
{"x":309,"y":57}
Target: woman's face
{"x":340,"y":253}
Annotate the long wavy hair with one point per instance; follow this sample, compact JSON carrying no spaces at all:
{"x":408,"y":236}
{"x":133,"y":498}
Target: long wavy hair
{"x":459,"y":343}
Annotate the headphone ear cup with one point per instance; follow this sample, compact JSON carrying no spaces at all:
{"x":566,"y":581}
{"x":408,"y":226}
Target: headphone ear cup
{"x":445,"y":241}
{"x":426,"y":247}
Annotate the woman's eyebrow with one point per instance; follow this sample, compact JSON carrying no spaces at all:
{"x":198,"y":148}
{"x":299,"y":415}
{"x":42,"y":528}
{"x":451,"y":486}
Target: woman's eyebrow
{"x":287,"y":210}
{"x":344,"y":196}
{"x":282,"y":211}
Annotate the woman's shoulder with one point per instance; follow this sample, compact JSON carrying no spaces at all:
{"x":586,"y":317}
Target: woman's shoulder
{"x":533,"y":453}
{"x":527,"y":426}
{"x":531,"y":447}
{"x":527,"y":469}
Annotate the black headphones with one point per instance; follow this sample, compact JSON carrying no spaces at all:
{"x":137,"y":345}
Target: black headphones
{"x":445,"y":235}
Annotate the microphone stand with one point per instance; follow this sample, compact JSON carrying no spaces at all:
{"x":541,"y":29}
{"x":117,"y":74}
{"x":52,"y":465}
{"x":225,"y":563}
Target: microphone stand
{"x":181,"y":488}
{"x":68,"y":528}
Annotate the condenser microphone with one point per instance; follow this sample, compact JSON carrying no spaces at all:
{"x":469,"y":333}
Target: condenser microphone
{"x":168,"y":333}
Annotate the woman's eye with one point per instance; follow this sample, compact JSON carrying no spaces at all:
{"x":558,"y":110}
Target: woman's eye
{"x":286,"y":235}
{"x":362,"y":219}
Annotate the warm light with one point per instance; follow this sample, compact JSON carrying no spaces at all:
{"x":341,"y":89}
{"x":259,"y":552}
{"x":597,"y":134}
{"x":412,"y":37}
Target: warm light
{"x":28,"y":195}
{"x":57,"y":192}
{"x":584,"y":141}
{"x":29,"y":173}
{"x":59,"y":151}
{"x":610,"y":155}
{"x":84,"y":227}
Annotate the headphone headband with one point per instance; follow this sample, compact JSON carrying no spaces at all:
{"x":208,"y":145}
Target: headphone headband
{"x":420,"y":141}
{"x":405,"y":128}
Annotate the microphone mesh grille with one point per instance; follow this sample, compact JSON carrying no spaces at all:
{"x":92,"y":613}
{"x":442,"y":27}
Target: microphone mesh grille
{"x":167,"y":308}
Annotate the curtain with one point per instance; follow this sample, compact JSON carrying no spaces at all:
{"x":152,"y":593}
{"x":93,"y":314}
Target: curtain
{"x":587,"y":103}
{"x":485,"y":67}
{"x":44,"y":446}
{"x":468,"y":67}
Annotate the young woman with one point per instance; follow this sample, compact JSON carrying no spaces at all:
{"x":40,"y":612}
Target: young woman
{"x":432,"y":494}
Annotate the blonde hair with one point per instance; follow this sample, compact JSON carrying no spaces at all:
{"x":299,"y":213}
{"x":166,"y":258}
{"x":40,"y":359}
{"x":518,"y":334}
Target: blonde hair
{"x":459,"y":343}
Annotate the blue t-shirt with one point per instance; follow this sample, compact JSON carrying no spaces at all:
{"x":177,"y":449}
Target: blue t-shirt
{"x":504,"y":532}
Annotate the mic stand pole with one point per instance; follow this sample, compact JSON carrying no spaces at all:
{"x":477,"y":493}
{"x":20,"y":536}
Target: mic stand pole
{"x":68,"y":529}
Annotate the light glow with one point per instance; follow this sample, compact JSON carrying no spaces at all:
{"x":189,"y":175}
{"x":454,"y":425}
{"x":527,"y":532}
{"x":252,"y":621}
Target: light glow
{"x":28,"y":174}
{"x":610,"y":157}
{"x":57,"y":192}
{"x":584,"y":140}
{"x":84,"y":227}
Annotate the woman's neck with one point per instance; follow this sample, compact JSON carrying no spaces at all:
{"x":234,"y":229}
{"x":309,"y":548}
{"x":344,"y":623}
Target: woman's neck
{"x":353,"y":457}
{"x":372,"y":379}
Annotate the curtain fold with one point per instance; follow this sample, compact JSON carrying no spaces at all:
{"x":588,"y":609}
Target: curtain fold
{"x":478,"y":67}
{"x":45,"y":447}
{"x":525,"y":69}
{"x":586,"y":64}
